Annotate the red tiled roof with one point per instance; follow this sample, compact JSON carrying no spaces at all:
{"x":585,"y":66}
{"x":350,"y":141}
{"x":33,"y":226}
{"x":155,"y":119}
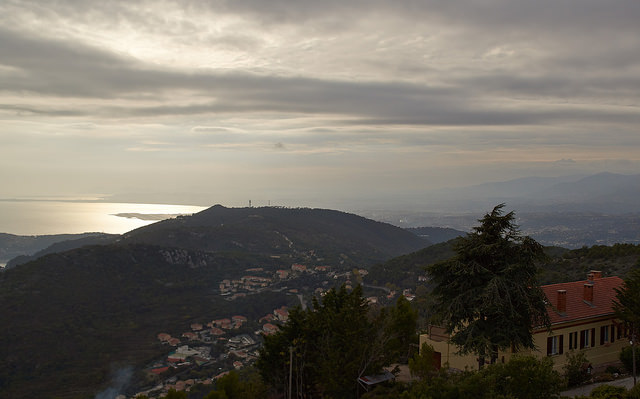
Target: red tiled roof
{"x":159,"y":370}
{"x":577,"y":308}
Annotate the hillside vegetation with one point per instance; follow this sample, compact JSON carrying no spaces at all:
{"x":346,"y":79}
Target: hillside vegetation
{"x":68,"y":318}
{"x":312,"y":234}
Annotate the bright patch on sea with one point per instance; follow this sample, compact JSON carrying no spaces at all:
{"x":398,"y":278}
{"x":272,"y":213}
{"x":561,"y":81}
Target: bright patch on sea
{"x":60,"y":217}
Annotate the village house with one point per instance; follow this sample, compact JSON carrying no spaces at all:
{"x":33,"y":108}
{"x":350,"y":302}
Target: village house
{"x":282,"y":274}
{"x":240,"y":319}
{"x":267,"y":318}
{"x":216,"y":331}
{"x":582,"y":319}
{"x":269,"y":328}
{"x":281,"y":314}
{"x":164,"y":337}
{"x":298,"y":268}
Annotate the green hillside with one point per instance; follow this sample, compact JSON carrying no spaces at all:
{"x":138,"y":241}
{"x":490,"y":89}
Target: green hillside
{"x":68,"y":318}
{"x":307,"y":234}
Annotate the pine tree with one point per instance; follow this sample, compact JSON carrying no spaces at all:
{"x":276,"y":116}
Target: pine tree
{"x":487,"y":296}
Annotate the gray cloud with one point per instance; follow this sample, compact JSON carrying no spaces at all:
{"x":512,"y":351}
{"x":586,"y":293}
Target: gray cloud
{"x":435,"y":88}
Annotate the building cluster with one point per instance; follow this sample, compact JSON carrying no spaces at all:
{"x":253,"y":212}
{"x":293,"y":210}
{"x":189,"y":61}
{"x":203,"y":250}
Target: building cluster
{"x":196,"y":348}
{"x":249,"y":284}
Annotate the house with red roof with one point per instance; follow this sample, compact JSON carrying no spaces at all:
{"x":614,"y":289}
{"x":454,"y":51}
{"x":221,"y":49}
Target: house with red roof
{"x":216,"y":331}
{"x":164,"y":337}
{"x":269,"y":328}
{"x":296,"y":267}
{"x":582,"y":319}
{"x":281,"y":314}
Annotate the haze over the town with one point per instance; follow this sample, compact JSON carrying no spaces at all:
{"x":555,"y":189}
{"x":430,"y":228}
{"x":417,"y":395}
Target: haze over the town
{"x":311,"y":103}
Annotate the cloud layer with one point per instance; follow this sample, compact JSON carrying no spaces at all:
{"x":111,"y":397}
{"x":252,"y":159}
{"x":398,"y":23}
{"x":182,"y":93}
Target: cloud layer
{"x":312,"y":100}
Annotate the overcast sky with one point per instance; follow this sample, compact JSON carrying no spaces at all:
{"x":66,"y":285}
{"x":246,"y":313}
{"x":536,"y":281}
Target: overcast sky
{"x":312,"y":103}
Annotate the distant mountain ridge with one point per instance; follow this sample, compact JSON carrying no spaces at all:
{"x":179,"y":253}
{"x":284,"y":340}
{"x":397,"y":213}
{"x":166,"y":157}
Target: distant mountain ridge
{"x":66,"y":245}
{"x":12,"y":245}
{"x":602,"y":192}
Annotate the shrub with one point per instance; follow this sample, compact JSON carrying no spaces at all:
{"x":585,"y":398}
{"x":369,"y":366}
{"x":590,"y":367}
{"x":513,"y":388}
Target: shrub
{"x":612,"y":370}
{"x":608,"y":392}
{"x":575,"y":370}
{"x":634,"y":393}
{"x":423,"y":364}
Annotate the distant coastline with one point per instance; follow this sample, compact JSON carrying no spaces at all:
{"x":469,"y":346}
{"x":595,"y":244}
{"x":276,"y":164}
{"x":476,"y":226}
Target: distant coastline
{"x":150,"y":216}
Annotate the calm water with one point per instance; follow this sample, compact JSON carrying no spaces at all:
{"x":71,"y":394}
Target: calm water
{"x":52,"y":217}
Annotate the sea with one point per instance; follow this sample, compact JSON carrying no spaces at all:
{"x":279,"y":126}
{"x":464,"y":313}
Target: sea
{"x":43,"y":217}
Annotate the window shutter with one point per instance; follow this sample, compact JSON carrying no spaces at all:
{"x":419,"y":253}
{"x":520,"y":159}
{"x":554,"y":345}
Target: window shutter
{"x":613,"y":336}
{"x":593,"y":337}
{"x":582,"y":334}
{"x":561,"y":345}
{"x":549,"y":345}
{"x":602,"y":335}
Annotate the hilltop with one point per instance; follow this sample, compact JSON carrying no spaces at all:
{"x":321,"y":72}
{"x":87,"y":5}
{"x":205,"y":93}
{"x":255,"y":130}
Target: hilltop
{"x":301,"y":233}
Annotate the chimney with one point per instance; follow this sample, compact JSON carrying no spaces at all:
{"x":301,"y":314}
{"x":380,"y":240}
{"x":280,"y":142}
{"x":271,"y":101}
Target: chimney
{"x":588,"y":293}
{"x":594,"y":275}
{"x":562,"y":301}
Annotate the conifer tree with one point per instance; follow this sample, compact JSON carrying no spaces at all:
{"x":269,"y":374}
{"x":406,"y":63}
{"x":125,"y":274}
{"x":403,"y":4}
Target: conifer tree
{"x":487,"y":296}
{"x":627,"y":307}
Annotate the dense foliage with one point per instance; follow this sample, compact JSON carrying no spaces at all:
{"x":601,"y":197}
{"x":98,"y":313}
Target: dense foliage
{"x":627,"y":307}
{"x":523,"y":377}
{"x":615,"y":260}
{"x":403,"y":271}
{"x":575,"y":368}
{"x":327,"y":348}
{"x":79,"y":314}
{"x":487,"y":295}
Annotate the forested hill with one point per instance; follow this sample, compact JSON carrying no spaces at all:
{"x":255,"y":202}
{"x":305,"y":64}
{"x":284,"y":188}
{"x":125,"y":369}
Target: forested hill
{"x":615,"y":260}
{"x":563,"y":265}
{"x":68,"y":317}
{"x":437,"y":234}
{"x":318,"y":234}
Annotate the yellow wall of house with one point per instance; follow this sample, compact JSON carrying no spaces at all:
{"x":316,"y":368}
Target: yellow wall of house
{"x":599,"y":356}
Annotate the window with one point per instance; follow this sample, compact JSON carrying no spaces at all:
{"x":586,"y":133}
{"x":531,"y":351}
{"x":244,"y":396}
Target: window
{"x":554,"y":345}
{"x":587,"y":338}
{"x":573,"y":340}
{"x":604,"y":335}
